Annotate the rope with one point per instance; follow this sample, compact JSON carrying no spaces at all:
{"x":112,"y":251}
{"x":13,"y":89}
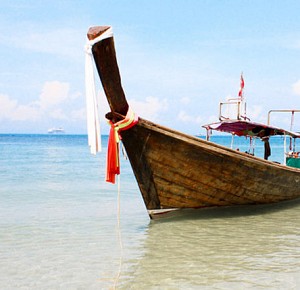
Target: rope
{"x":116,"y":279}
{"x":93,"y":124}
{"x":119,"y":234}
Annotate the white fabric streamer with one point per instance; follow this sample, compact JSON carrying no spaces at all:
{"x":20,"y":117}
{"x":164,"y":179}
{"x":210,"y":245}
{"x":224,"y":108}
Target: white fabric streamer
{"x":93,"y":124}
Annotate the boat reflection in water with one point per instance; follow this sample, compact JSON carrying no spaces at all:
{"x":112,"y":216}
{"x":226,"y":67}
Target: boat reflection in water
{"x":242,"y":248}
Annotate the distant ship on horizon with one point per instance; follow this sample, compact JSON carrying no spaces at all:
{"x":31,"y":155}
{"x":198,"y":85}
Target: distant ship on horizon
{"x":56,"y":131}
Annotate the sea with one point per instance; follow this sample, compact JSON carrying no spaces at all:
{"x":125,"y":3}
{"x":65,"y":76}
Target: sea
{"x":63,"y":227}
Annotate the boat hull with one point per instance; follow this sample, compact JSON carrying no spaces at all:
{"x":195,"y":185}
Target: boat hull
{"x":178,"y":171}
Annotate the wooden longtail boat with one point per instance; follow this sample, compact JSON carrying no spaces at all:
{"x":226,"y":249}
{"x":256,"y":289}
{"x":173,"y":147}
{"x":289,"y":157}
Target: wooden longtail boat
{"x":178,"y":171}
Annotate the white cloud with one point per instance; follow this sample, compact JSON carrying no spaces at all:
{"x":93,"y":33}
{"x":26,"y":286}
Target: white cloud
{"x":65,"y":42}
{"x":185,"y":100}
{"x":26,"y":113}
{"x":296,"y":88}
{"x":76,"y":95}
{"x":12,"y":110}
{"x":52,"y":103}
{"x":58,"y":114}
{"x":186,"y":118}
{"x":255,"y":113}
{"x":149,"y":109}
{"x":53,"y":93}
{"x":212,"y":119}
{"x":79,"y":114}
{"x":7,"y":106}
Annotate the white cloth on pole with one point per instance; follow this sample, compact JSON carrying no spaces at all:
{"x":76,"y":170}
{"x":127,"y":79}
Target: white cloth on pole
{"x":93,"y":124}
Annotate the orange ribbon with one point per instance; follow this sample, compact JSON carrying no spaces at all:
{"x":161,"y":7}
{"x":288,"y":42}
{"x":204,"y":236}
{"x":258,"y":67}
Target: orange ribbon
{"x":113,"y":159}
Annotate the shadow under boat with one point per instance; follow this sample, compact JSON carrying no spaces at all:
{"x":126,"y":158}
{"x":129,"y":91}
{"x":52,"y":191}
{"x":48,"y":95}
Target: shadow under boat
{"x":226,"y":212}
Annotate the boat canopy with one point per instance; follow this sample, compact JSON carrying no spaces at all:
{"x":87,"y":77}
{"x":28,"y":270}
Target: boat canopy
{"x":248,"y":128}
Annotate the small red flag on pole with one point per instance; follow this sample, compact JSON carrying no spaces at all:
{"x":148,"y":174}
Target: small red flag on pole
{"x":242,"y":86}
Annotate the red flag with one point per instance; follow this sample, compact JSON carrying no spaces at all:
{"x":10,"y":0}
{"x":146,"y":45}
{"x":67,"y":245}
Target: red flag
{"x":112,"y":163}
{"x":242,"y":86}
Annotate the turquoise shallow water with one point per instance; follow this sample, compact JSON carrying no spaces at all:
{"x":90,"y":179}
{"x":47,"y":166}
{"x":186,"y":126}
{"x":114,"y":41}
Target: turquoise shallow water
{"x":59,"y":228}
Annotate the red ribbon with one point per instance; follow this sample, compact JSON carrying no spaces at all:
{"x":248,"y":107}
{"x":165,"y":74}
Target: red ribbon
{"x":113,"y":160}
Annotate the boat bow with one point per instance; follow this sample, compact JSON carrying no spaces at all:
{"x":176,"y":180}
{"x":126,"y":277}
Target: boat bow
{"x":103,"y":49}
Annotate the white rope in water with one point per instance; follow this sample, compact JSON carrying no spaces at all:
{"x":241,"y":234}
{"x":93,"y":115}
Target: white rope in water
{"x":119,"y":233}
{"x":116,"y":279}
{"x":124,"y":153}
{"x":93,"y":124}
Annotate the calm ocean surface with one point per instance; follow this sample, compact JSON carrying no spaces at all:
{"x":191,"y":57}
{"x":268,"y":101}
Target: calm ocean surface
{"x":59,"y":228}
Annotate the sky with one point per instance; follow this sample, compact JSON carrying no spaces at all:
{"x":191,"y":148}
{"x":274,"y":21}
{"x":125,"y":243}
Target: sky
{"x":178,"y":59}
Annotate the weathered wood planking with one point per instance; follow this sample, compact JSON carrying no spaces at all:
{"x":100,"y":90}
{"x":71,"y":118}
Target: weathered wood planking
{"x":187,"y":172}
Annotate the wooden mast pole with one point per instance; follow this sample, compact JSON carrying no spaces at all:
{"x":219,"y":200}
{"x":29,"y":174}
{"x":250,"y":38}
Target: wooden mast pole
{"x":106,"y":62}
